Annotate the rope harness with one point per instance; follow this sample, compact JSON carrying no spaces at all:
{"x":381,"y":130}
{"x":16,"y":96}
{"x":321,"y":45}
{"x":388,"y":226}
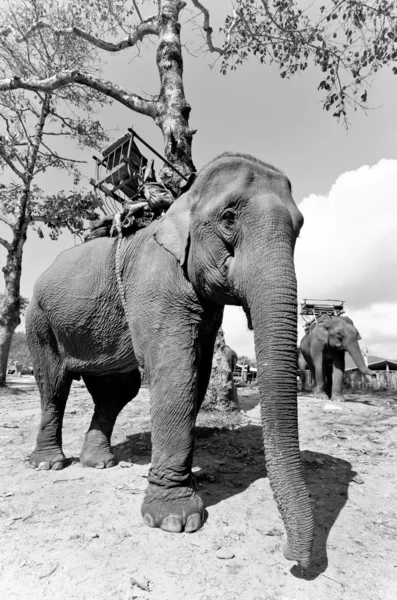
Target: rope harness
{"x":118,"y":227}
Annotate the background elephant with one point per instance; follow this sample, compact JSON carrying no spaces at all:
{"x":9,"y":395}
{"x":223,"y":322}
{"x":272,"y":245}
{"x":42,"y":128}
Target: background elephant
{"x":228,"y":240}
{"x":323,"y":350}
{"x":231,"y":357}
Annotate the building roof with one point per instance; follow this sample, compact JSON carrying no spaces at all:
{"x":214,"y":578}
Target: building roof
{"x":377,"y":363}
{"x":252,"y":369}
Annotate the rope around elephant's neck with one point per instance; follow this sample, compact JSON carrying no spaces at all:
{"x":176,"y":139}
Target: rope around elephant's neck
{"x":118,"y":227}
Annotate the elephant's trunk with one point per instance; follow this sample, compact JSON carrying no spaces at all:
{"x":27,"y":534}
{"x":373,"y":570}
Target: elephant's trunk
{"x":272,"y":302}
{"x":354,"y":350}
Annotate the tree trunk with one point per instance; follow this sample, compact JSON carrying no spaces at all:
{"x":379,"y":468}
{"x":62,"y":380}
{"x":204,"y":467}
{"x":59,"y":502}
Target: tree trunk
{"x":221,"y":392}
{"x":172,"y":115}
{"x":6,"y":334}
{"x":11,"y":306}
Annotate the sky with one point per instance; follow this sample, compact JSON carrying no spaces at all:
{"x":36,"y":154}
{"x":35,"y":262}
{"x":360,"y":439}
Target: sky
{"x":344,"y":182}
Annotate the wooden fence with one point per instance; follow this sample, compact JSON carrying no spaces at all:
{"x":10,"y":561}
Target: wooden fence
{"x":382,"y":380}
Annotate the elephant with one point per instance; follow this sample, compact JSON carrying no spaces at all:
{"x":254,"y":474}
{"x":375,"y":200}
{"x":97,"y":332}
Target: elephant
{"x":154,"y":299}
{"x":231,"y":357}
{"x":323,"y":349}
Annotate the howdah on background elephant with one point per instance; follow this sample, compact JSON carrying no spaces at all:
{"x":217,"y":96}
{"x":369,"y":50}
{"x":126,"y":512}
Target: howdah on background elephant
{"x":228,"y":240}
{"x":323,"y":350}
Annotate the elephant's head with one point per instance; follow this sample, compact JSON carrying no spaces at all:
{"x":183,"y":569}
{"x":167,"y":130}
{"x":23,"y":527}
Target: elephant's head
{"x":234,"y":232}
{"x":342,"y":335}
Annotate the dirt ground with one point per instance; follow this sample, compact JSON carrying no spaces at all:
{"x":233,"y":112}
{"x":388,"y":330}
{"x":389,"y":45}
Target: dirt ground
{"x":78,"y":534}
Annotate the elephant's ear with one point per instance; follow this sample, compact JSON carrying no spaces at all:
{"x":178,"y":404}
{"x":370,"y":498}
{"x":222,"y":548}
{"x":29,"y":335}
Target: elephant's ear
{"x":173,"y":229}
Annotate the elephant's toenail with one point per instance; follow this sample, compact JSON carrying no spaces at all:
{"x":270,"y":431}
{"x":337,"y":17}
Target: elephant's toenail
{"x":148,"y":520}
{"x":110,"y":464}
{"x":193,"y":522}
{"x":172,"y":523}
{"x":44,"y":466}
{"x":57,"y":466}
{"x":100,"y":465}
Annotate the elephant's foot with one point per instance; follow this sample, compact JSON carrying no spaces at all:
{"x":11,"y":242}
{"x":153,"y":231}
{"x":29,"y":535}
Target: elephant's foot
{"x":96,"y":451}
{"x":320,"y":396}
{"x":47,"y":460}
{"x":304,"y":391}
{"x":338,"y":398}
{"x":174,"y":510}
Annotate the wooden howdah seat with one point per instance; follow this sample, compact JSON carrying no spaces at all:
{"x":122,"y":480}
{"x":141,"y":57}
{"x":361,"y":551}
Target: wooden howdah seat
{"x":313,"y":310}
{"x":121,"y":170}
{"x":124,"y":175}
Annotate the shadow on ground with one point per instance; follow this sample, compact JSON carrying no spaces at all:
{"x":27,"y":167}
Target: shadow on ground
{"x":229,"y":461}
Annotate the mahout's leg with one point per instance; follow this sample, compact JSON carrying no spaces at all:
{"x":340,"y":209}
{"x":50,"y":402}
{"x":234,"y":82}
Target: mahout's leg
{"x":54,"y":384}
{"x":337,"y":377}
{"x":179,"y":370}
{"x":110,"y":394}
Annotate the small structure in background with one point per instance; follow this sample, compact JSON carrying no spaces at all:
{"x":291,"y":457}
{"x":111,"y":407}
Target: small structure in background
{"x":375,"y":363}
{"x":385,"y":374}
{"x":15,"y":369}
{"x":312,"y":310}
{"x":244,"y":373}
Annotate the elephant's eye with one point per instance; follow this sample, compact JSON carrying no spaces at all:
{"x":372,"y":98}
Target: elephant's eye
{"x":228,"y":218}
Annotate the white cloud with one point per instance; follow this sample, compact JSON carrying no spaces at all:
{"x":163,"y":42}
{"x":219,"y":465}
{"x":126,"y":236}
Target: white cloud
{"x":237,"y":334}
{"x":378,"y":328}
{"x":347,"y":250}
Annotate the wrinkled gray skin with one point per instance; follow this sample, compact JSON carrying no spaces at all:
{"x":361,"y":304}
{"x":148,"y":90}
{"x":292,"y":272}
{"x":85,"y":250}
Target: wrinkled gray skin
{"x":229,"y":240}
{"x":323,"y":350}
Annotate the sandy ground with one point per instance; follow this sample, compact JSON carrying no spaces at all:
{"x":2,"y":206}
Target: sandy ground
{"x":78,"y":533}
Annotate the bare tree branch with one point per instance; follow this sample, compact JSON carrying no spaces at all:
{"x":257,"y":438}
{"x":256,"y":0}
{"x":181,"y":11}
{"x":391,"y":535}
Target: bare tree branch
{"x":57,"y":133}
{"x":6,"y":220}
{"x":132,"y":101}
{"x":5,"y":156}
{"x":6,"y":244}
{"x":145,"y":28}
{"x":208,"y":29}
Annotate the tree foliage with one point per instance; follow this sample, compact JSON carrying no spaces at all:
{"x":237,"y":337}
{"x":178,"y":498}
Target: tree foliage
{"x":34,"y":126}
{"x":349,"y":41}
{"x":19,"y":349}
{"x":33,"y":129}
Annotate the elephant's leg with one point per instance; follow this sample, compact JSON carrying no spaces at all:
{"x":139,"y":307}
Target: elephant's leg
{"x":319,"y":388}
{"x":337,"y":377}
{"x":54,"y":386}
{"x":302,"y":372}
{"x":179,"y":375}
{"x":53,"y":381}
{"x":302,"y":375}
{"x":328,"y":378}
{"x":110,"y":394}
